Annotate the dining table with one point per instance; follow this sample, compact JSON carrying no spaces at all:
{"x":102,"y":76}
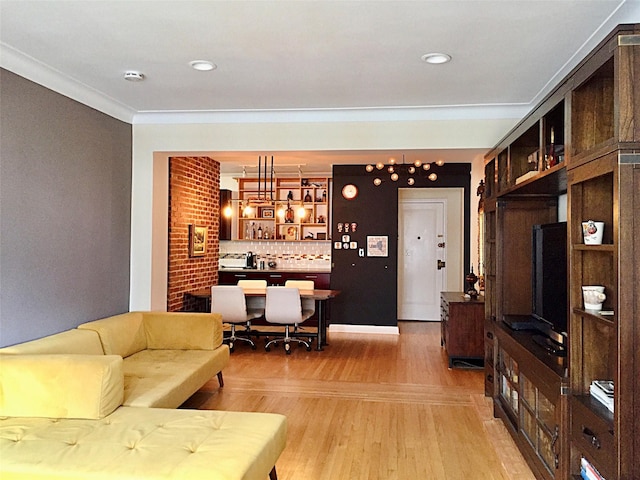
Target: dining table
{"x":320,"y":296}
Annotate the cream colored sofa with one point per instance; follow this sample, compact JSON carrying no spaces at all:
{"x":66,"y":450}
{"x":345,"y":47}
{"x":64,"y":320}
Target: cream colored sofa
{"x":83,"y":404}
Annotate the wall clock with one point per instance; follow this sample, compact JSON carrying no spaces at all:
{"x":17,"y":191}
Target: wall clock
{"x":349,"y":191}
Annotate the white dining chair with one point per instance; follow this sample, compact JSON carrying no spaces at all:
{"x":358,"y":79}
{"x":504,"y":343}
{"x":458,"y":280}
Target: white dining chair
{"x":283,"y":307}
{"x":255,"y":303}
{"x":229,"y":301}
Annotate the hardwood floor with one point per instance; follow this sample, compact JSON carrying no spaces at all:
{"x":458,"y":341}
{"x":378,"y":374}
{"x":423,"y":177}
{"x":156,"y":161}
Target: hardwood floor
{"x":372,"y":407}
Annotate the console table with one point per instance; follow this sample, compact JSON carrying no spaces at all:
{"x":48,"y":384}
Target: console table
{"x":462,"y":328}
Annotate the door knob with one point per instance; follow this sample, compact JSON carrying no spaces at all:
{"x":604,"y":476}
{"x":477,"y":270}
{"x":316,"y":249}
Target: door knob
{"x":441,"y":264}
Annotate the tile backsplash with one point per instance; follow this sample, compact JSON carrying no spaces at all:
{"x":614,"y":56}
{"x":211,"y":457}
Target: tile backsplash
{"x":303,"y":255}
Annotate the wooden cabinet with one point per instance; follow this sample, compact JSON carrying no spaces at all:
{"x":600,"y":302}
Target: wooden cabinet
{"x":462,"y":322}
{"x":321,"y":279}
{"x":531,"y":399}
{"x":583,"y":139}
{"x":292,"y":209}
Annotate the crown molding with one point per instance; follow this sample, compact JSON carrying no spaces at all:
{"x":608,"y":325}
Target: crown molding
{"x":48,"y":77}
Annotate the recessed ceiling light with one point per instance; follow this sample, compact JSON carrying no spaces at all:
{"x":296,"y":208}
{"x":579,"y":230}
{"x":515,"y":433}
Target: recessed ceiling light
{"x":436,"y":58}
{"x":133,"y":76}
{"x":203,"y":65}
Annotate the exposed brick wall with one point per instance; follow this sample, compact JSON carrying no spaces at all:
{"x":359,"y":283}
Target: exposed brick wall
{"x":194,"y":199}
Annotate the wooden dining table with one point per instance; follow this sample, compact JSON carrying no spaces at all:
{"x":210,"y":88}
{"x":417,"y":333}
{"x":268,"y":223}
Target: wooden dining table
{"x":321,"y":297}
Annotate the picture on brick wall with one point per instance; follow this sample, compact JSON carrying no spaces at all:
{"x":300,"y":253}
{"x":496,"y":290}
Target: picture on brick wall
{"x":197,"y":241}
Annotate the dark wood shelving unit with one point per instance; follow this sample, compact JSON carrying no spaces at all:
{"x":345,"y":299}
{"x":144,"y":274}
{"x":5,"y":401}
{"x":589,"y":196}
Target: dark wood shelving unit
{"x":593,"y":114}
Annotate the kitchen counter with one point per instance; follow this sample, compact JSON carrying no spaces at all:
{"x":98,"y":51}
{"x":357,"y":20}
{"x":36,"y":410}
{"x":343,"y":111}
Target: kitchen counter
{"x":277,"y":270}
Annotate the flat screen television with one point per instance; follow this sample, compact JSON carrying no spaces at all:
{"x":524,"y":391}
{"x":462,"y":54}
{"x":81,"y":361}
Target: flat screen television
{"x":549,"y":280}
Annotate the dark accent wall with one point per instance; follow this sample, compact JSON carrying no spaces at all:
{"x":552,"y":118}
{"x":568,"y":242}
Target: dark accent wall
{"x":368,"y":284}
{"x":65,"y":212}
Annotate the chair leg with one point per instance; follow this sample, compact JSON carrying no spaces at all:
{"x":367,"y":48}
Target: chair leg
{"x":272,"y":474}
{"x":232,"y":339}
{"x":220,"y":379}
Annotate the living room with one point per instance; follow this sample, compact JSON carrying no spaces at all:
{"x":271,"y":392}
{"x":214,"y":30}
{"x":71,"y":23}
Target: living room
{"x":84,"y":190}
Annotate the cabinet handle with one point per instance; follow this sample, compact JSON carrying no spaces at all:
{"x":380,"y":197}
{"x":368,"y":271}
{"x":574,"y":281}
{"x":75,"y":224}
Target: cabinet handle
{"x":591,"y":437}
{"x":490,"y":335}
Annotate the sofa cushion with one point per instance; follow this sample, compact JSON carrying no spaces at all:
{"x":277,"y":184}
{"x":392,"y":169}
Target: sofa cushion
{"x":60,"y":386}
{"x":183,"y":331}
{"x":71,"y":341}
{"x":144,"y":443}
{"x":167,"y":378}
{"x":121,"y":335}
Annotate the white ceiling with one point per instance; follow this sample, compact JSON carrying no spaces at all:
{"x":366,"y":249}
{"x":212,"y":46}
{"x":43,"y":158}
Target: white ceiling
{"x":303,"y":59}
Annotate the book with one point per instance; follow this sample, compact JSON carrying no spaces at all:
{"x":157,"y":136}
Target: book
{"x":588,"y":471}
{"x":602,"y":397}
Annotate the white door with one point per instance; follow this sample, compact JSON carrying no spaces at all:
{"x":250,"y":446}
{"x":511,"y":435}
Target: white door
{"x":421,"y":256}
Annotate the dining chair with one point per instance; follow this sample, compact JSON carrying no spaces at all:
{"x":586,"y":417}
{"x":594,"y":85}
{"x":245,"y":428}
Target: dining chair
{"x":255,"y":303}
{"x":283,"y":307}
{"x":229,"y":301}
{"x":307,"y":303}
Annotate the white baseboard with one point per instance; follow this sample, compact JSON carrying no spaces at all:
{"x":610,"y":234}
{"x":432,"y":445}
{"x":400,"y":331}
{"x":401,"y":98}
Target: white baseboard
{"x":348,"y":328}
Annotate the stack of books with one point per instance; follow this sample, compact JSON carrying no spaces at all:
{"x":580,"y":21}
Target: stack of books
{"x":588,"y":471}
{"x":602,"y":390}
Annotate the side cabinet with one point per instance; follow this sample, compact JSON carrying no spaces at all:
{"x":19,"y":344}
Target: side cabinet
{"x":321,"y":280}
{"x":462,"y":329}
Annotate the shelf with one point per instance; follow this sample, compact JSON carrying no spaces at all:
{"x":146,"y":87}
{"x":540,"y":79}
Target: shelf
{"x":593,"y":248}
{"x":609,"y":320}
{"x":597,"y":408}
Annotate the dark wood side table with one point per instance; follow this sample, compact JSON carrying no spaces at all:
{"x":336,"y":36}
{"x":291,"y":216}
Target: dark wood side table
{"x":462,"y":329}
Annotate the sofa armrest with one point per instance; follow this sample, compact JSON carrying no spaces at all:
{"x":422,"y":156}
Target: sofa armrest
{"x":183,"y":330}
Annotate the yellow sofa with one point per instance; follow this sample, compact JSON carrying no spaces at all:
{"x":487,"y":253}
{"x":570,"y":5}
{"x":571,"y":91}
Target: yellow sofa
{"x":82,"y":404}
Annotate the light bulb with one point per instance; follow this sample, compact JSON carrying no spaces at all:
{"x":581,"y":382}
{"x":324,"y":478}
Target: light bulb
{"x":301,"y":212}
{"x":377,"y":182}
{"x":392,"y":160}
{"x":394,"y":177}
{"x":411,"y":170}
{"x":379,"y":165}
{"x":426,"y":166}
{"x":439,"y":162}
{"x":411,"y":181}
{"x":390,"y":169}
{"x":433,"y":177}
{"x":369,"y":168}
{"x":281,"y":213}
{"x":228,"y":211}
{"x":417,"y":163}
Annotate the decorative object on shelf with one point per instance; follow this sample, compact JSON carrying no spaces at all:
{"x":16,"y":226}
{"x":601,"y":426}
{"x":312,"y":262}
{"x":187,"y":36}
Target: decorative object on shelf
{"x":290,"y":195}
{"x":321,"y":219}
{"x":288,"y":214}
{"x":593,"y":296}
{"x":409,"y":170}
{"x":471,"y":279}
{"x":291,"y":233}
{"x":592,"y":232}
{"x":307,"y":197}
{"x":197,"y":241}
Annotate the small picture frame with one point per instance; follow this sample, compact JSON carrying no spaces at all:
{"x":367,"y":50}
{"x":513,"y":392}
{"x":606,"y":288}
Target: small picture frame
{"x":377,"y":246}
{"x":321,"y":236}
{"x":197,"y":241}
{"x":291,"y":233}
{"x":267,"y":212}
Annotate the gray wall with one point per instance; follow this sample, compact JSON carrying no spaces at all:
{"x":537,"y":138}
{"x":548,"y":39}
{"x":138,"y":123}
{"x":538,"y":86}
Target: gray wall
{"x":65,"y":212}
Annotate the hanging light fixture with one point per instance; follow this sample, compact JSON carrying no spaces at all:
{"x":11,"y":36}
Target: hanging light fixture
{"x":403,"y":170}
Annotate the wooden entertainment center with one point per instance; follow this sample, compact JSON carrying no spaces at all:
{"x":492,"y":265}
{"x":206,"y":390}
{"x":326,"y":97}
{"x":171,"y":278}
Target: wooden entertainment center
{"x":582,"y":144}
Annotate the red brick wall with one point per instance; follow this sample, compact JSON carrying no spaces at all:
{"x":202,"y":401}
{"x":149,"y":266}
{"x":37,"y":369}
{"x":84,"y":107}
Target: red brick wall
{"x":194,"y":199}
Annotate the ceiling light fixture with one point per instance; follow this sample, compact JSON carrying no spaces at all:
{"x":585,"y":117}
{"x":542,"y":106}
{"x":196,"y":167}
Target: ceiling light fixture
{"x":436,"y":58}
{"x":203,"y":65}
{"x":133,"y":76}
{"x":410,"y":170}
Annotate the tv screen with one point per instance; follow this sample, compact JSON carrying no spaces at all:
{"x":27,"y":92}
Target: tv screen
{"x":549,"y":280}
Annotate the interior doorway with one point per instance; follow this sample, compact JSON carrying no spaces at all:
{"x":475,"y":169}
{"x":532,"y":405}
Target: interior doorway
{"x":430,"y":250}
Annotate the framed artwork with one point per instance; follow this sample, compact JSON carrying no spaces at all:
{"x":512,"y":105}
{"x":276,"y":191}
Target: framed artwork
{"x":291,"y":233}
{"x":197,"y":241}
{"x":377,"y":246}
{"x":267,"y":212}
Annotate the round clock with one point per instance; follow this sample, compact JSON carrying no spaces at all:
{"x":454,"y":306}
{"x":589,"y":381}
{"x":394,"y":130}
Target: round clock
{"x":349,"y":191}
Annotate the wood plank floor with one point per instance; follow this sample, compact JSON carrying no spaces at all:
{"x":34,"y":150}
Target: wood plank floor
{"x":372,"y":407}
